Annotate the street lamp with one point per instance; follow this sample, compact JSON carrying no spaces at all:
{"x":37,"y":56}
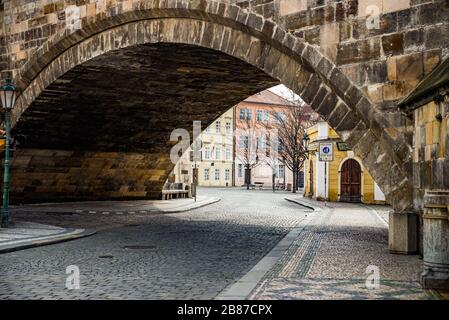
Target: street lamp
{"x":306,"y":141}
{"x":8,"y":97}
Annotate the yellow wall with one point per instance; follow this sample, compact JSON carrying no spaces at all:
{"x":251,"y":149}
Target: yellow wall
{"x":222,"y":166}
{"x":333,"y":170}
{"x":213,"y":139}
{"x":430,"y":132}
{"x":310,"y":165}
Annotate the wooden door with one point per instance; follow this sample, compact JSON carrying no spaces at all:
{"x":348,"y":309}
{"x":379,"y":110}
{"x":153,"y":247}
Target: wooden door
{"x":351,"y":181}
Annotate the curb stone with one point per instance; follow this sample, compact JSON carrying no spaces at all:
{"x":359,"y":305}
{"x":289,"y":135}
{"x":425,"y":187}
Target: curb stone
{"x":159,"y":211}
{"x":70,"y":234}
{"x":198,"y":205}
{"x":194,"y":205}
{"x":305,"y":203}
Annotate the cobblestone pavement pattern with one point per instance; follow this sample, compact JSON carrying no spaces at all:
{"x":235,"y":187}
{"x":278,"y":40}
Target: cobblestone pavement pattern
{"x":190,"y":255}
{"x":196,"y":254}
{"x":329,"y":260}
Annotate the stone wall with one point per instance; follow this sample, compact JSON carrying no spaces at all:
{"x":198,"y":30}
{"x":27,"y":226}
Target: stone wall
{"x":385,"y":47}
{"x":42,"y":175}
{"x":431,"y":182}
{"x":431,"y":153}
{"x":431,"y":149}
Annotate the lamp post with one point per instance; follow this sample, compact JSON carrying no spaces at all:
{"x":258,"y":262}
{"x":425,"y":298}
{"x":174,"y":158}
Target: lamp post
{"x":306,"y":141}
{"x":8,"y":97}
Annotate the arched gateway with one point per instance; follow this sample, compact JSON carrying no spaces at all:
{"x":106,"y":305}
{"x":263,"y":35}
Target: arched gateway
{"x":351,"y":181}
{"x":98,"y":101}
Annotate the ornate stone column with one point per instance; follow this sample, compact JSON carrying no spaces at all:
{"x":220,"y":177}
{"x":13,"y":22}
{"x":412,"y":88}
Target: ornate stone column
{"x":436,"y":240}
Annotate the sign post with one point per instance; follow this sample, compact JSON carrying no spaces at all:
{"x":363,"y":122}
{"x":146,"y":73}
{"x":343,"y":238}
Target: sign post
{"x":326,"y":151}
{"x":195,"y":181}
{"x":326,"y":154}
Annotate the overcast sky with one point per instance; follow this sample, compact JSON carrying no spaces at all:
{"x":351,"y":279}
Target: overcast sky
{"x":284,"y":92}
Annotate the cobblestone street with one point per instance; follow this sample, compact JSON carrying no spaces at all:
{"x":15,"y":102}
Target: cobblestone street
{"x":329,"y":260}
{"x":201,"y":253}
{"x":190,"y":255}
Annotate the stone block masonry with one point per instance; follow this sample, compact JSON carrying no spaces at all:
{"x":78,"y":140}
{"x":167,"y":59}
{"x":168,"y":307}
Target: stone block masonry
{"x":102,"y":130}
{"x":62,"y":175}
{"x":366,"y":38}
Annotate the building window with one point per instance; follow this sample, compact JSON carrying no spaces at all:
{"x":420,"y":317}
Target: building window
{"x":218,"y":126}
{"x":228,"y":128}
{"x":263,"y":115}
{"x":249,"y":114}
{"x":207,"y":153}
{"x":281,"y":146}
{"x":246,"y":114}
{"x":208,"y":129}
{"x":266,"y":116}
{"x":228,"y":153}
{"x":242,"y":114}
{"x":217,"y":153}
{"x":206,"y":174}
{"x":282,"y":116}
{"x":227,"y":174}
{"x":259,"y":115}
{"x":243,"y":142}
{"x":279,"y":117}
{"x":240,"y":170}
{"x":281,"y":171}
{"x":261,"y":143}
{"x":217,"y":174}
{"x":196,"y":152}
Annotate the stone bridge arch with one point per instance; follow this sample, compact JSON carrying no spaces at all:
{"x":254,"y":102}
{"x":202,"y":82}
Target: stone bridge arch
{"x":215,"y":26}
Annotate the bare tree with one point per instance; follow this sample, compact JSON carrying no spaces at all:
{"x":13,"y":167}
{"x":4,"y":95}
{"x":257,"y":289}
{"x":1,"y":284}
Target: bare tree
{"x":271,"y":158}
{"x":290,"y":126}
{"x":247,"y":152}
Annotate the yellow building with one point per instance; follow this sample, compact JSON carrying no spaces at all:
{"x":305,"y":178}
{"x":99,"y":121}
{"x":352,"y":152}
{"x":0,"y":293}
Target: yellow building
{"x":344,"y":178}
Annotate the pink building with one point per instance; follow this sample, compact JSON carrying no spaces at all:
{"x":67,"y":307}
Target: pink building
{"x":253,"y":118}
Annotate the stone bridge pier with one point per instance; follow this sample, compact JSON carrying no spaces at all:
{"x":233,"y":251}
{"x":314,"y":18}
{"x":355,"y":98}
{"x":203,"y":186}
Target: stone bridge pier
{"x":103,"y":84}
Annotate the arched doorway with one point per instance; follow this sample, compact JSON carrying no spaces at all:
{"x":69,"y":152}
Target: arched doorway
{"x":351,"y":181}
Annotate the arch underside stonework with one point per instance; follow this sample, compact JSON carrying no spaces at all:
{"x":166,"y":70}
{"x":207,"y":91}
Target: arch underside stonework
{"x":72,"y":107}
{"x":102,"y":130}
